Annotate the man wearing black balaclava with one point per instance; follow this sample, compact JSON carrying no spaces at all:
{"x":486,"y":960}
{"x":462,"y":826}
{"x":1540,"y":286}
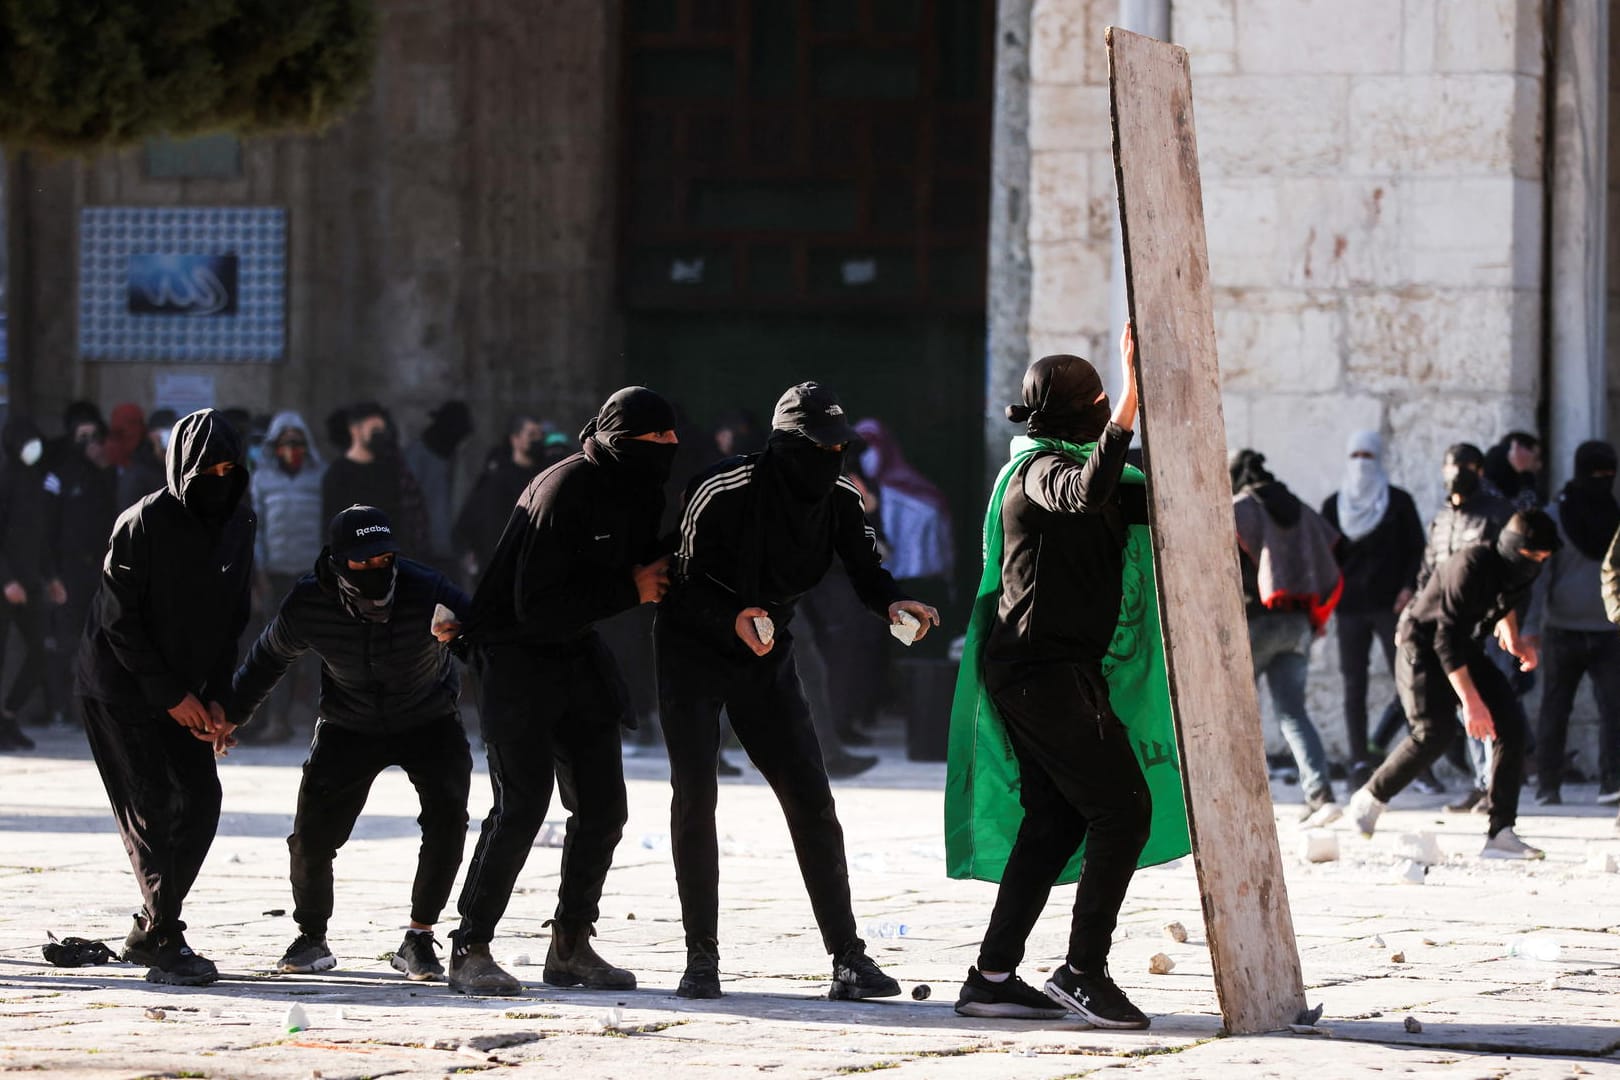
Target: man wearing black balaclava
{"x":154,"y":668}
{"x":1442,"y":665}
{"x":1473,"y":513}
{"x":758,"y":532}
{"x":581,"y":545}
{"x":1568,"y":618}
{"x":1064,"y":522}
{"x":389,"y":693}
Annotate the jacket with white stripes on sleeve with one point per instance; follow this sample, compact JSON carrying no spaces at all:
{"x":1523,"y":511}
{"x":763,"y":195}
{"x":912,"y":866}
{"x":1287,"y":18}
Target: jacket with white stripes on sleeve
{"x":741,"y":546}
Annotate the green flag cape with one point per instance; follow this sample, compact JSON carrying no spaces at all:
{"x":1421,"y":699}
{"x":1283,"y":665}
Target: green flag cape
{"x":982,"y":811}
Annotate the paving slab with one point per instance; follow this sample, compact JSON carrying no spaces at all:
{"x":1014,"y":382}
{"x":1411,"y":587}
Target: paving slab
{"x":1483,"y":1012}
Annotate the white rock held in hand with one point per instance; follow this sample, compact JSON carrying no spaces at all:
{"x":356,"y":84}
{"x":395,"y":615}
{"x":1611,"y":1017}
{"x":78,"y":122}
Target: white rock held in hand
{"x":904,"y":628}
{"x":764,"y":629}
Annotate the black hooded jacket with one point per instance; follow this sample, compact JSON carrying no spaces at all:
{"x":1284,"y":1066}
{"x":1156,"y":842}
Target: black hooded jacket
{"x":174,"y":587}
{"x":1459,"y":606}
{"x":26,"y":553}
{"x":377,"y":678}
{"x":564,"y":561}
{"x":744,"y":544}
{"x":1063,"y":559}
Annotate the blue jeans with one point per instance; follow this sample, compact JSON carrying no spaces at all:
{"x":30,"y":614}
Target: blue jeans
{"x":1281,"y":645}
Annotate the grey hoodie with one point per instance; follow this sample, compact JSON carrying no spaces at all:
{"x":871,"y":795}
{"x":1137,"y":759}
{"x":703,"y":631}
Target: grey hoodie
{"x":291,"y":531}
{"x":1568,"y":593}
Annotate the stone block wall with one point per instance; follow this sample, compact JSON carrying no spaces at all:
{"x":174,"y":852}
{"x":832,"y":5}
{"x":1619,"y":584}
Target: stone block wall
{"x":1374,"y":205}
{"x":454,"y":237}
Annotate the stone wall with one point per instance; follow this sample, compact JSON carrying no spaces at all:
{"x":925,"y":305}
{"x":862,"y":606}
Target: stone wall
{"x":452,"y":238}
{"x":1374,"y":205}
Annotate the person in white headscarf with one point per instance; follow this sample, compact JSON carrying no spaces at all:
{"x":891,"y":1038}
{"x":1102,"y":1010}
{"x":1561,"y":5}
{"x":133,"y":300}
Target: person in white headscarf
{"x":1380,"y":551}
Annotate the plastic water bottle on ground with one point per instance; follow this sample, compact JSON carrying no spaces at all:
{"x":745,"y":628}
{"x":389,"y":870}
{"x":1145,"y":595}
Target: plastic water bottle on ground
{"x":887,"y":929}
{"x":1535,"y":947}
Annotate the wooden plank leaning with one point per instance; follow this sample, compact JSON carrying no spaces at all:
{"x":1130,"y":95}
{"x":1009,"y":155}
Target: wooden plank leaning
{"x":1245,"y":900}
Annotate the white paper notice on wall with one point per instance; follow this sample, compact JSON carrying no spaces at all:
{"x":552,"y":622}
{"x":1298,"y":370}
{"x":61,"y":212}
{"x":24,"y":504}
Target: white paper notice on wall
{"x":183,"y":392}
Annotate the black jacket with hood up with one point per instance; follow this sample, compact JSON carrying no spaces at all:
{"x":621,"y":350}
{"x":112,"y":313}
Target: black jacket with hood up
{"x":174,"y":587}
{"x":26,"y":554}
{"x":565,"y":560}
{"x":1457,"y":609}
{"x":377,"y":678}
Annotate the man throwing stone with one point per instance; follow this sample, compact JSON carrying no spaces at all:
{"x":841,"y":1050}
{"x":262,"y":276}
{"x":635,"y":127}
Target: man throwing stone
{"x":1442,"y":664}
{"x":758,"y":533}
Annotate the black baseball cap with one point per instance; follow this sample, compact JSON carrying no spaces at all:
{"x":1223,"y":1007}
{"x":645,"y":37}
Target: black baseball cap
{"x":812,"y":410}
{"x":360,"y":533}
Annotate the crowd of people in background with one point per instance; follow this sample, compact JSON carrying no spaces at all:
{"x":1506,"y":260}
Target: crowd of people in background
{"x":59,"y":497}
{"x":1539,"y":607}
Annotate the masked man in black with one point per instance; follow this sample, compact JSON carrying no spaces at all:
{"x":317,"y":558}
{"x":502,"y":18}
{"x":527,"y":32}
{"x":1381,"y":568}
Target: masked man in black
{"x":580,"y":546}
{"x":388,"y":697}
{"x":1442,"y":665}
{"x":154,"y":668}
{"x":1062,"y":570}
{"x":29,"y":585}
{"x":758,"y":533}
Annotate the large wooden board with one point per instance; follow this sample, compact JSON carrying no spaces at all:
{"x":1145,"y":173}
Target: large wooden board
{"x":1250,"y":929}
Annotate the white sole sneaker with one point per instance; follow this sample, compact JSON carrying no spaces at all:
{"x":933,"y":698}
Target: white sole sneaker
{"x":1364,"y":812}
{"x":325,"y":963}
{"x":1608,"y":798}
{"x":1323,"y":816}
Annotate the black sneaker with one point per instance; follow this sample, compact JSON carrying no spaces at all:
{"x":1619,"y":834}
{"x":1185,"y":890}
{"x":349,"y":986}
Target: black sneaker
{"x":12,"y":737}
{"x":1096,"y":999}
{"x":177,"y":965}
{"x":702,"y":977}
{"x":1470,"y":799}
{"x":856,"y":977}
{"x":140,"y":947}
{"x":1549,"y":798}
{"x":306,"y":955}
{"x":1011,"y":999}
{"x":418,"y":957}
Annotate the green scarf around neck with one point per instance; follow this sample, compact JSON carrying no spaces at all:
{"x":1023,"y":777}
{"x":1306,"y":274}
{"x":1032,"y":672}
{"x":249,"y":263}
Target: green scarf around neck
{"x":982,"y":809}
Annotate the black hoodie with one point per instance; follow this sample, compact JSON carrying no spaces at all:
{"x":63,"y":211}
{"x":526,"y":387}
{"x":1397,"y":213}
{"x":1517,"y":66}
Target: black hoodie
{"x":174,"y":587}
{"x":26,"y":555}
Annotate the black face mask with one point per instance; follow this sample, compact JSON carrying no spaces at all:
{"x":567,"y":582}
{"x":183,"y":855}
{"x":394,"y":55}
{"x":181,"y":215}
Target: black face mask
{"x":1461,"y":481}
{"x":649,"y":461}
{"x":381,"y":443}
{"x":534,"y":449}
{"x":212,"y":498}
{"x":368,"y":594}
{"x":809,"y":471}
{"x":1522,"y":566}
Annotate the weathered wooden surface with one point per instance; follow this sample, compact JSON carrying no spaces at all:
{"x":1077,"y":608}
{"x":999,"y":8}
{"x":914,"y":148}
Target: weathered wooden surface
{"x":1251,"y":934}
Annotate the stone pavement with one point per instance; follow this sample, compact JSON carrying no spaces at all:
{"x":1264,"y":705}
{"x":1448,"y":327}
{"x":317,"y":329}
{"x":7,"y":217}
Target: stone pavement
{"x":1376,"y":948}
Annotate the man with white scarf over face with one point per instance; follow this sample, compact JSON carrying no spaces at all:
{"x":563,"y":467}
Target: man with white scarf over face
{"x":1380,"y":551}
